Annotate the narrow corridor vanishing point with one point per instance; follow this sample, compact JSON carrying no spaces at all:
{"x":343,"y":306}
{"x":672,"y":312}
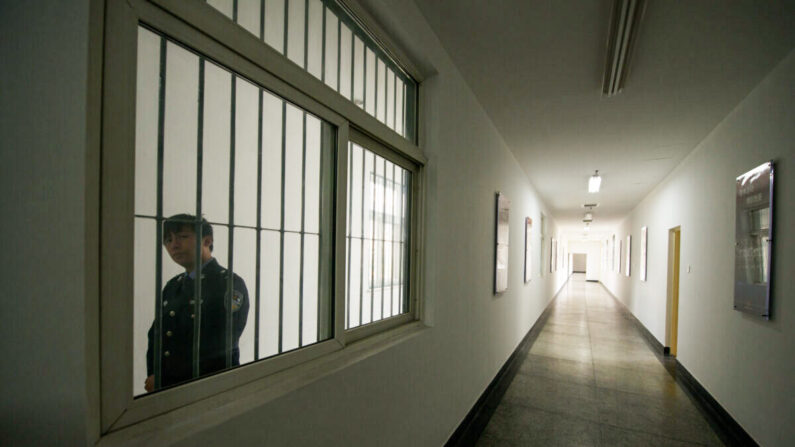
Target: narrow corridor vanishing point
{"x":590,"y":379}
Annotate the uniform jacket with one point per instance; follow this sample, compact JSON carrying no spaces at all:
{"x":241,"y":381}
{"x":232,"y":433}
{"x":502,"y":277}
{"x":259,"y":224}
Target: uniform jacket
{"x":178,"y":320}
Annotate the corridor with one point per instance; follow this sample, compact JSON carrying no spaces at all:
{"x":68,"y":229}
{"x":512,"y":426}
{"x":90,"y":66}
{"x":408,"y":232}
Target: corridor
{"x":591,"y":379}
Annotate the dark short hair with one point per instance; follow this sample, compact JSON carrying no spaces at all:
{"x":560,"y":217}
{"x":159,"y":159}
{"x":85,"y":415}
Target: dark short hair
{"x":180,"y":222}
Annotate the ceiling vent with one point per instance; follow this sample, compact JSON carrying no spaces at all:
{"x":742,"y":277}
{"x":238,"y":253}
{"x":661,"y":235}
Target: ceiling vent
{"x":590,"y":205}
{"x":624,"y":27}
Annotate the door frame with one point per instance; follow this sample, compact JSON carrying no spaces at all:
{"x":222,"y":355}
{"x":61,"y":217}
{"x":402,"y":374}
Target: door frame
{"x":672,"y":304}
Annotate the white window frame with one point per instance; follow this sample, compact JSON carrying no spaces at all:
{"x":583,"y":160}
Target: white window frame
{"x":233,"y":47}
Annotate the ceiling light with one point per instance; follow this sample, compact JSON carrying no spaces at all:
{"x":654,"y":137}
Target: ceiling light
{"x":624,"y":26}
{"x":587,"y":227}
{"x":588,"y":217}
{"x":594,"y":182}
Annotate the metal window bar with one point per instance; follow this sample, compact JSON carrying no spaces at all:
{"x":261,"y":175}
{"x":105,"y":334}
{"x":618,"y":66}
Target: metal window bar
{"x":408,"y":130}
{"x":161,"y":114}
{"x":230,"y":284}
{"x":195,"y":367}
{"x":325,"y":160}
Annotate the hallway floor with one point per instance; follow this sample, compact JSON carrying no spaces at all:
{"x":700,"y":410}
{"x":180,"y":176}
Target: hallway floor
{"x":590,"y":379}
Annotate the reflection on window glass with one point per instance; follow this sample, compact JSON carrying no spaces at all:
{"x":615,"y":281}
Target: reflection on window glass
{"x":324,"y":40}
{"x":377,"y":263}
{"x":231,"y":220}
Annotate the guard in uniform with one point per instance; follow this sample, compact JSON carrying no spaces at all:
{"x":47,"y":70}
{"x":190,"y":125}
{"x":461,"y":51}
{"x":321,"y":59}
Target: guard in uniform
{"x":178,"y":314}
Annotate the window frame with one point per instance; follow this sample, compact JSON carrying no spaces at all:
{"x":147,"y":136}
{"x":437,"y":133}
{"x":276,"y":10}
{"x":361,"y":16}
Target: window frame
{"x":198,"y":26}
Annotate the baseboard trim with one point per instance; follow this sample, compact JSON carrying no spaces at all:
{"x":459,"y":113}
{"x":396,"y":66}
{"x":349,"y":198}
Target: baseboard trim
{"x":725,"y":426}
{"x":478,"y":417}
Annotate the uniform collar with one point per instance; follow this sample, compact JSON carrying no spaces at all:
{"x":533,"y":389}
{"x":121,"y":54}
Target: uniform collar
{"x":192,"y":275}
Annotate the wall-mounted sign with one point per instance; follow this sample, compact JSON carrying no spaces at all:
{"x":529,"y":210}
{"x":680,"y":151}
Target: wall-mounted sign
{"x":528,"y":225}
{"x":629,"y":256}
{"x":643,"y":243}
{"x":501,"y":252}
{"x":753,"y":240}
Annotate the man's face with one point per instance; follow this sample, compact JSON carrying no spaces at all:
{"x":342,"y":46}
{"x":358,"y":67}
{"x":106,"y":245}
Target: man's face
{"x":181,"y":246}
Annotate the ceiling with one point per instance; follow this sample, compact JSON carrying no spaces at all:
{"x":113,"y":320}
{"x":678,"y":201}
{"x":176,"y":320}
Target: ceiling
{"x":536,"y":68}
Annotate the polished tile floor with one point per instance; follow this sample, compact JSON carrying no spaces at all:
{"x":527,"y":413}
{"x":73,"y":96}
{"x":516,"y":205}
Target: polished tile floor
{"x":590,"y":379}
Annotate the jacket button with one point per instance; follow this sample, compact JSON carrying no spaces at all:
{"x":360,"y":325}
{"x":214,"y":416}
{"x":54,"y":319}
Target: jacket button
{"x":172,"y":313}
{"x":166,"y":354}
{"x":193,"y":315}
{"x":165,"y":303}
{"x":168,"y":334}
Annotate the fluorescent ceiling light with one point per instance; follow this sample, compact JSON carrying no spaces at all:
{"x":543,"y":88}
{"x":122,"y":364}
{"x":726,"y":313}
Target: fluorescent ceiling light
{"x":624,"y":25}
{"x":595,"y":182}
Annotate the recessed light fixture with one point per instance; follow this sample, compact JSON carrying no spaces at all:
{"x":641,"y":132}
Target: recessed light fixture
{"x":595,"y":182}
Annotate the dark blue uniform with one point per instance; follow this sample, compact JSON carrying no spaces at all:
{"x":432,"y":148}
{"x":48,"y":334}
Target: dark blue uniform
{"x":178,"y":319}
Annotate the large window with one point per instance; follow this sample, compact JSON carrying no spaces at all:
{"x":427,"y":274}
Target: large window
{"x":252,"y":218}
{"x":377,"y":238}
{"x":211,"y":143}
{"x":323,"y":39}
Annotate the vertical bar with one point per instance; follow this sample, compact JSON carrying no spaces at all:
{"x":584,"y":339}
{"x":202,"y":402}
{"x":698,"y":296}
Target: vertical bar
{"x":286,"y":22}
{"x":394,"y":103}
{"x":361,"y":241}
{"x":281,"y":231}
{"x":259,"y":228}
{"x":372,"y":239}
{"x":407,"y":236}
{"x":392,"y":310}
{"x":383,"y":238}
{"x":323,"y":50}
{"x":364,"y":76}
{"x":261,"y":36}
{"x":197,"y":299}
{"x":402,"y":235}
{"x":339,"y":50}
{"x":234,"y":11}
{"x":161,"y":115}
{"x":306,"y":54}
{"x":350,"y":235}
{"x":403,"y":111}
{"x":230,"y":285}
{"x":301,"y":255}
{"x":375,"y":89}
{"x":353,"y":65}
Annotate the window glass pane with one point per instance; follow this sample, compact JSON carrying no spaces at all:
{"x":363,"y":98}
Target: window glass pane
{"x":293,"y":166}
{"x":331,"y":50}
{"x":181,"y":118}
{"x":315,"y":38}
{"x":213,"y":288}
{"x":370,"y":82}
{"x":390,"y":99}
{"x":358,"y":72}
{"x":346,"y":55}
{"x":269,"y":294}
{"x":312,"y":175}
{"x":274,"y":24}
{"x":216,"y":143}
{"x":272,"y":121}
{"x":246,"y":152}
{"x":245,"y":266}
{"x":296,"y":27}
{"x":399,"y":106}
{"x":376,"y":265}
{"x":380,"y":99}
{"x":248,"y":15}
{"x":146,"y":117}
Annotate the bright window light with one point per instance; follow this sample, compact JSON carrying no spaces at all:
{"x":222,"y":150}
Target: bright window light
{"x":594,"y":183}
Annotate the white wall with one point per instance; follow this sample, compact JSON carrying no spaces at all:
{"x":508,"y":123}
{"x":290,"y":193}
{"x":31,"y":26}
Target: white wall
{"x":43,"y":137}
{"x":415,"y":393}
{"x":746,"y":363}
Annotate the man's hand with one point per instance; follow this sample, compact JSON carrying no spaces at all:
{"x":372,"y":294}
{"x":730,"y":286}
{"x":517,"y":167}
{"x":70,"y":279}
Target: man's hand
{"x":149,"y":384}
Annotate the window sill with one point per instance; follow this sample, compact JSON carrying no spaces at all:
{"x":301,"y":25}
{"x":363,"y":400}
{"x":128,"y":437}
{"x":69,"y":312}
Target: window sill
{"x":201,"y":415}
